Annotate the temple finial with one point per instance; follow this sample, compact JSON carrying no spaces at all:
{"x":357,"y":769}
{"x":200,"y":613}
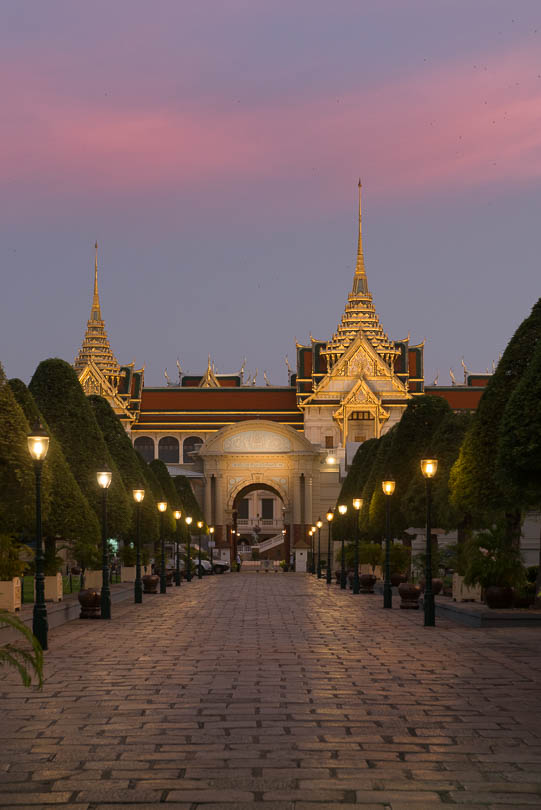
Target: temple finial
{"x":95,"y":314}
{"x":360,"y":285}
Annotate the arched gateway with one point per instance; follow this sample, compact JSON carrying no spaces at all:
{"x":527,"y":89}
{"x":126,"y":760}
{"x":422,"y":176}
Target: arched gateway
{"x":259,"y":454}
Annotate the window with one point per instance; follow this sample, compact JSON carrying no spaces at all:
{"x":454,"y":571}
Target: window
{"x":190,"y":446}
{"x":145,"y":447}
{"x":267,"y":508}
{"x":243,"y":509}
{"x":329,"y":442}
{"x":168,"y":450}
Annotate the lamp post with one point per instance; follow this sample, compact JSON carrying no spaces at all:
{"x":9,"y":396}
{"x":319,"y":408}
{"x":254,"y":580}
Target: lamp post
{"x":429,"y":467}
{"x":329,"y":516}
{"x":104,"y":481}
{"x":388,"y":489}
{"x":211,"y":544}
{"x":312,"y":550}
{"x":319,"y":524}
{"x":188,"y":558}
{"x":357,"y":505}
{"x":342,"y":509}
{"x":38,"y":444}
{"x":162,"y":506}
{"x":178,"y":514}
{"x":199,"y":566}
{"x":138,"y":495}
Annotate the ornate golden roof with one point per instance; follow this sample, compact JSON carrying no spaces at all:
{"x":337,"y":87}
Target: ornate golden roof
{"x":360,"y":314}
{"x":95,"y":349}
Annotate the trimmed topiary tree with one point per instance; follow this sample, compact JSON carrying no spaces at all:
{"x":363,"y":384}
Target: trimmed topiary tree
{"x":70,"y":516}
{"x":17,"y":482}
{"x":60,"y":398}
{"x":477,"y":488}
{"x":127,"y":461}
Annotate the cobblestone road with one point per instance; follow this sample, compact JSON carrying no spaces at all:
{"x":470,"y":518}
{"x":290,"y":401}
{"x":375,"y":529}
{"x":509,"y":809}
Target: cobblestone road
{"x":275,"y":689}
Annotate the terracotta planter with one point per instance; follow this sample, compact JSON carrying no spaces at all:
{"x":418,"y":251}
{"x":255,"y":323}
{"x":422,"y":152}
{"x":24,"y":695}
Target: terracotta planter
{"x":396,"y":579}
{"x":150,"y":583}
{"x":499,"y":597}
{"x":409,"y":595}
{"x":90,"y":601}
{"x":367,"y":582}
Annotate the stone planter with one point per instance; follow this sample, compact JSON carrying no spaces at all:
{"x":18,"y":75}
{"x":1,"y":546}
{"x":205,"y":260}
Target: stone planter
{"x":409,"y":596}
{"x":10,"y":594}
{"x":90,"y":601}
{"x":367,"y":582}
{"x":396,"y":579}
{"x":54,"y":590}
{"x":499,"y":597}
{"x":150,"y":583}
{"x":128,"y":573}
{"x":465,"y":593}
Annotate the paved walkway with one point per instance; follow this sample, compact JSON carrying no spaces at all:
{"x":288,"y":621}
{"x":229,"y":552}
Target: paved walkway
{"x":275,"y":689}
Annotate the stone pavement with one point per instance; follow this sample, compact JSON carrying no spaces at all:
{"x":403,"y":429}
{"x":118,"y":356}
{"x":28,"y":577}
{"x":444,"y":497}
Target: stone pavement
{"x":280,"y":691}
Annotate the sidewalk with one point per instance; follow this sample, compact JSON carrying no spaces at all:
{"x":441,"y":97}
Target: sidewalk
{"x":279,"y":692}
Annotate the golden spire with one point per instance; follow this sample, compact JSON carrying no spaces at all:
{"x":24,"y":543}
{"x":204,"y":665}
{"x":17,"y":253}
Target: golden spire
{"x":95,"y":313}
{"x":360,"y":284}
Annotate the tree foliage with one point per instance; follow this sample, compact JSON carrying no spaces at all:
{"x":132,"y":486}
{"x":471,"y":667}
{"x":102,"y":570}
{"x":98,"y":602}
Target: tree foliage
{"x":127,"y":461}
{"x":17,"y":484}
{"x":476,"y":486}
{"x":60,"y":398}
{"x":70,"y":516}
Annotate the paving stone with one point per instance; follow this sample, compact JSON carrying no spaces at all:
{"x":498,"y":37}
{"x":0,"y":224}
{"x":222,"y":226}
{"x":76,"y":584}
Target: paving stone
{"x":296,"y":696}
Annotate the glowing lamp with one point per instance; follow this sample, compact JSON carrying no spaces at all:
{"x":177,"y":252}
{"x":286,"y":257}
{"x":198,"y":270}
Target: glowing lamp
{"x":429,"y":467}
{"x":104,"y":477}
{"x":357,"y":503}
{"x":38,"y":443}
{"x":138,"y":495}
{"x":162,"y":506}
{"x":388,"y":487}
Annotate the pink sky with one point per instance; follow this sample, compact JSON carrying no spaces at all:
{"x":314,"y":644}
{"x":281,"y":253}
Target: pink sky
{"x":217,"y":144}
{"x":456,"y":124}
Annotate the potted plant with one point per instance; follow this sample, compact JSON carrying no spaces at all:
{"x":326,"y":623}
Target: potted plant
{"x":409,"y":595}
{"x":400,"y":558}
{"x":369,"y":554}
{"x":11,"y":569}
{"x":494,"y":565}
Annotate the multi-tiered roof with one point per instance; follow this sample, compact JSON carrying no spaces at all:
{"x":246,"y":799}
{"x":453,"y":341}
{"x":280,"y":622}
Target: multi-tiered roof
{"x":95,"y":349}
{"x":360,"y":315}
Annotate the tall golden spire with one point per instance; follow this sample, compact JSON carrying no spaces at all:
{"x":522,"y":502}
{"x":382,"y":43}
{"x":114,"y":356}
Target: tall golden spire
{"x":360,"y":284}
{"x":95,"y":313}
{"x":95,"y":347}
{"x":360,"y":316}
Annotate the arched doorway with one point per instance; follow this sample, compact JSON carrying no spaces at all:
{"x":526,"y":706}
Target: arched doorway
{"x":259,"y":522}
{"x":260,"y":455}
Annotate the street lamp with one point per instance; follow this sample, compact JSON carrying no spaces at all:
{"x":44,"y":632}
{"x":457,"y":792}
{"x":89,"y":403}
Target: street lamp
{"x":357,"y":505}
{"x":342,"y":509}
{"x":199,"y":567}
{"x":188,"y":559}
{"x":311,"y":536}
{"x":178,"y":514}
{"x":162,"y":506}
{"x":388,"y":489}
{"x":104,"y":480}
{"x":319,"y":524}
{"x":329,"y":516}
{"x":211,"y":544}
{"x":312,"y":551}
{"x":38,"y":444}
{"x":429,"y":467}
{"x":138,"y":495}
